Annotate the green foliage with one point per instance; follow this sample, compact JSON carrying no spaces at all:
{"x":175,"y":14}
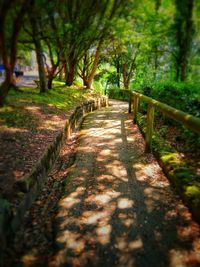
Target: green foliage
{"x":16,"y":114}
{"x":155,"y":26}
{"x":98,"y":88}
{"x":117,"y":93}
{"x":193,"y":193}
{"x":180,"y":95}
{"x":183,"y":31}
{"x":192,"y":139}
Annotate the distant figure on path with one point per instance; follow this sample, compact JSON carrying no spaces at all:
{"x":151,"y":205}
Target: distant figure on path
{"x":18,"y":73}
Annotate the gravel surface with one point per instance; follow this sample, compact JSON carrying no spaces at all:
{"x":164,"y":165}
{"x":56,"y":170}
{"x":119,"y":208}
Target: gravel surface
{"x":113,"y":207}
{"x":33,"y":244}
{"x":21,"y":148}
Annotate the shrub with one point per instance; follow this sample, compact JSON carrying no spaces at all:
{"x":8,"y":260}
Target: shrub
{"x":180,"y":95}
{"x":117,"y":93}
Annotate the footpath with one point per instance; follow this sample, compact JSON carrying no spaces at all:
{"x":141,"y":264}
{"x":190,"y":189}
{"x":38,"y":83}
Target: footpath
{"x":117,"y":207}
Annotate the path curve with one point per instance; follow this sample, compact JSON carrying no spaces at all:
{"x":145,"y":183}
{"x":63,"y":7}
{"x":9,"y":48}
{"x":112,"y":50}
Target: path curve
{"x":118,"y":208}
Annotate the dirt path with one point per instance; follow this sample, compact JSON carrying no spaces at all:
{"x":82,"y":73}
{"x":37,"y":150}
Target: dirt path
{"x":118,"y":208}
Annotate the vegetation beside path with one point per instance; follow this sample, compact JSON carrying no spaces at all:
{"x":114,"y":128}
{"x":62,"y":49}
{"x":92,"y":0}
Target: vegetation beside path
{"x":28,"y":123}
{"x":60,"y":99}
{"x":115,"y":204}
{"x":176,"y":148}
{"x":32,"y":131}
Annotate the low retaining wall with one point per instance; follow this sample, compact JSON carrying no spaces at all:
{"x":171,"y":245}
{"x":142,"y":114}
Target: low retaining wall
{"x":31,"y":185}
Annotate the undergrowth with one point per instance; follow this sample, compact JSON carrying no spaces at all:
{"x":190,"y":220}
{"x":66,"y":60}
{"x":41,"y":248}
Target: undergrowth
{"x":186,"y":97}
{"x":183,"y":177}
{"x":180,"y":95}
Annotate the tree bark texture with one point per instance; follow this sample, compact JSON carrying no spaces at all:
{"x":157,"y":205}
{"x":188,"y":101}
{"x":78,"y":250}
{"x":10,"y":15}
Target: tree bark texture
{"x":125,"y":76}
{"x":183,"y":25}
{"x":39,"y":55}
{"x":90,"y":66}
{"x":118,"y":73}
{"x":8,"y":53}
{"x":8,"y":83}
{"x":70,"y":70}
{"x":41,"y":67}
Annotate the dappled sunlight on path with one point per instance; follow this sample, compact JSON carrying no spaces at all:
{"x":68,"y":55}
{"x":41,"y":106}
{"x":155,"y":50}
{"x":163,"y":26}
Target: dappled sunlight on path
{"x":118,"y":208}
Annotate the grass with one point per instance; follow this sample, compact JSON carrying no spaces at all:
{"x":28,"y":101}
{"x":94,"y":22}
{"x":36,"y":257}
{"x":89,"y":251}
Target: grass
{"x":61,"y":98}
{"x":58,"y":100}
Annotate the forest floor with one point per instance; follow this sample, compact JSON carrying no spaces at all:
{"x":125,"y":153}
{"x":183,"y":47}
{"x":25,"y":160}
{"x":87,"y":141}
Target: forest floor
{"x":113,"y":207}
{"x":189,"y":148}
{"x":29,"y":122}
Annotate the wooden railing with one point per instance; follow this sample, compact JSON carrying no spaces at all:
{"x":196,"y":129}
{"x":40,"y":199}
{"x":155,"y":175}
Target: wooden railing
{"x":184,"y":118}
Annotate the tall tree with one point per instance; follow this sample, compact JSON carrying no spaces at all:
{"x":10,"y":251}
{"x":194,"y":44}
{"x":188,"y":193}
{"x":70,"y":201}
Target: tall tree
{"x":85,"y":22}
{"x":53,"y":42}
{"x":155,"y":45}
{"x":12,"y":15}
{"x":129,"y":63}
{"x":79,"y":21}
{"x":89,"y":63}
{"x":183,"y":30}
{"x":36,"y":17}
{"x":39,"y":54}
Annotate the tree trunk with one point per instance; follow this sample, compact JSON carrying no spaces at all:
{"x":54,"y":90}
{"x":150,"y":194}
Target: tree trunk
{"x":184,"y":70}
{"x":6,"y":85}
{"x":124,"y":75}
{"x":69,"y":78}
{"x":62,"y":68}
{"x":118,"y":73}
{"x":177,"y":72}
{"x":128,"y":68}
{"x":95,"y":63}
{"x":188,"y":37}
{"x":183,"y":25}
{"x":9,"y":62}
{"x":51,"y":75}
{"x":155,"y":61}
{"x":50,"y":81}
{"x":8,"y":52}
{"x":87,"y":83}
{"x":70,"y":72}
{"x":41,"y":69}
{"x":39,"y":55}
{"x":155,"y":46}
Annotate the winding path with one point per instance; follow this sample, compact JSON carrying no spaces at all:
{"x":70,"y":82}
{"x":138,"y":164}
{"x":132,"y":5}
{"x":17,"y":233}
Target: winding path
{"x":118,"y":208}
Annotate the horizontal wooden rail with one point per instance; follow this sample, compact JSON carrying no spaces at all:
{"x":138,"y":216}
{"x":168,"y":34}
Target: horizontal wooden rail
{"x":184,"y":118}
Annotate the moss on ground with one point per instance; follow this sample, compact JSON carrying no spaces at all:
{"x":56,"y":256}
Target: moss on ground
{"x":183,"y":178}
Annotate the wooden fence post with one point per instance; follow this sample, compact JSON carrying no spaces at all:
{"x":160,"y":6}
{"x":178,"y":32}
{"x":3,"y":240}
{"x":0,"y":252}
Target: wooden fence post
{"x":149,"y":128}
{"x":135,"y":107}
{"x":130,"y":102}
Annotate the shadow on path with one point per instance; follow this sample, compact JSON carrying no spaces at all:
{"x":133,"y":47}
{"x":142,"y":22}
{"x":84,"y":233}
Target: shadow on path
{"x":118,"y":208}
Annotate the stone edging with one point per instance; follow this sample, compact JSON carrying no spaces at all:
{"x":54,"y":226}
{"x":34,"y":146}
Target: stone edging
{"x":31,"y":185}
